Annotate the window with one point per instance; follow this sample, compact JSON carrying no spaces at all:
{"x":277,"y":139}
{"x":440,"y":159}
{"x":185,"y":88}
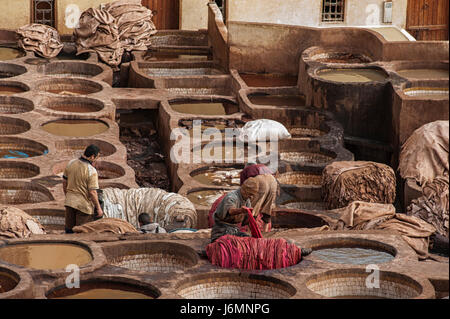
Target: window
{"x":43,"y":12}
{"x":221,"y":4}
{"x":333,"y":10}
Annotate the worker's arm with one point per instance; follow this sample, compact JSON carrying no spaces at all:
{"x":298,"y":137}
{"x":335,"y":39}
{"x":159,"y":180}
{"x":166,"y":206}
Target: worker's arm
{"x":267,"y":222}
{"x":237,"y":211}
{"x":65,"y":186}
{"x":94,"y":199}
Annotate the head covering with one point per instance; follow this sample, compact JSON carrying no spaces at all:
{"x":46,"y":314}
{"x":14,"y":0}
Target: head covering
{"x":249,"y":188}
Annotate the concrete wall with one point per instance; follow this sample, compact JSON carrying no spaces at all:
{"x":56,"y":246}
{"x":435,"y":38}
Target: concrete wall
{"x":14,"y":16}
{"x":308,"y":12}
{"x":193,"y":14}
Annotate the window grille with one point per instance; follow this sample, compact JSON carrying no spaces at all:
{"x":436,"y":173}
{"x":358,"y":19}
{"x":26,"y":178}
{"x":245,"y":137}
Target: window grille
{"x":333,"y":10}
{"x":44,"y":12}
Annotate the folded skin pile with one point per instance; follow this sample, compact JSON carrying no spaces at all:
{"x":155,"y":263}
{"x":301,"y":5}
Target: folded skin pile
{"x":345,"y":182}
{"x":106,"y":225}
{"x":39,"y":38}
{"x":252,"y":253}
{"x":433,"y":206}
{"x":15,"y":223}
{"x":98,"y":32}
{"x":134,"y":22}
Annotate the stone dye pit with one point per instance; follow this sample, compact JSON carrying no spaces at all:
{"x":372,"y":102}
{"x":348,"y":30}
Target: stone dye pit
{"x":357,"y":256}
{"x":277,"y":100}
{"x":52,"y":256}
{"x":10,"y":53}
{"x":205,"y":108}
{"x":424,"y":73}
{"x":11,"y":126}
{"x":352,"y":75}
{"x":69,"y":87}
{"x":205,"y":197}
{"x":268,"y":80}
{"x":17,"y":192}
{"x":12,"y":88}
{"x":7,"y":281}
{"x":75,"y":128}
{"x":13,"y":147}
{"x":15,"y":105}
{"x":218,"y":176}
{"x":427,"y":93}
{"x":104,"y":289}
{"x":18,"y":170}
{"x":8,"y":70}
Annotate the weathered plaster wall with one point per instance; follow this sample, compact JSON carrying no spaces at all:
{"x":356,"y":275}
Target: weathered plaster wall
{"x":14,"y":14}
{"x":193,"y":14}
{"x":308,"y":12}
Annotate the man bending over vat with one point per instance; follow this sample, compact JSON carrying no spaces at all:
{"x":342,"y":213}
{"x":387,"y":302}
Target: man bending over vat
{"x":80,"y":184}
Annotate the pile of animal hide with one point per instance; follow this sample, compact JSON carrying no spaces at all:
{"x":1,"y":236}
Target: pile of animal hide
{"x":39,"y":38}
{"x":15,"y":223}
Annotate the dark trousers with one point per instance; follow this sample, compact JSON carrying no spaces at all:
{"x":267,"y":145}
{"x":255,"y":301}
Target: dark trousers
{"x":76,"y":218}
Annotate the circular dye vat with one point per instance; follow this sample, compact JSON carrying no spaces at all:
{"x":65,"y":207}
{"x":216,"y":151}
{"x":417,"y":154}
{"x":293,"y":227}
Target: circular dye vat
{"x":105,"y":170}
{"x":205,"y":197}
{"x":278,"y":100}
{"x":16,"y":170}
{"x":268,"y":80}
{"x":36,"y":61}
{"x":75,"y":147}
{"x":8,"y":70}
{"x":340,"y":57}
{"x":75,"y":128}
{"x":14,"y":105}
{"x":424,"y":73}
{"x":218,"y":176}
{"x":153,"y":257}
{"x":70,"y":69}
{"x":427,"y":93}
{"x":15,"y":193}
{"x":307,"y":205}
{"x":205,"y":108}
{"x":102,"y":289}
{"x":301,"y":178}
{"x":350,"y":255}
{"x":351,"y":284}
{"x":45,"y":256}
{"x":70,"y":87}
{"x":11,"y":89}
{"x":219,"y":153}
{"x":305,"y":157}
{"x":72,"y":105}
{"x":174,"y":56}
{"x":10,"y":126}
{"x":171,"y":72}
{"x":7,"y":281}
{"x":352,"y":75}
{"x":10,"y":53}
{"x":232,"y":286}
{"x":12,"y":147}
{"x":216,"y":124}
{"x":300,"y":132}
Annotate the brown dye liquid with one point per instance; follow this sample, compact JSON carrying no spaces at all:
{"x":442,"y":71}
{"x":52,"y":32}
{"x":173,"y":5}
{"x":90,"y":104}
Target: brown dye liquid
{"x":165,"y":56}
{"x":10,"y":90}
{"x":268,"y":80}
{"x":221,"y":153}
{"x":427,"y":93}
{"x":68,"y":91}
{"x":7,"y":282}
{"x":205,"y":108}
{"x":45,"y":256}
{"x":205,"y":198}
{"x":219,"y":177}
{"x":75,"y":108}
{"x":356,"y":256}
{"x":102,"y":293}
{"x":9,"y":54}
{"x":424,"y":73}
{"x":278,"y":100}
{"x":352,"y":75}
{"x":75,"y":128}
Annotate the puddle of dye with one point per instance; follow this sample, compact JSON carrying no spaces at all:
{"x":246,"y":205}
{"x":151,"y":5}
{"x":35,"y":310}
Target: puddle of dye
{"x":168,"y":72}
{"x":205,"y":108}
{"x":45,"y":256}
{"x":278,"y":100}
{"x":7,"y":282}
{"x":424,"y":73}
{"x":427,"y":93}
{"x":18,"y":153}
{"x":351,"y":75}
{"x":10,"y":54}
{"x":10,"y":90}
{"x":219,"y":176}
{"x":106,"y":294}
{"x":205,"y":198}
{"x":356,"y":256}
{"x":268,"y":80}
{"x":75,"y":128}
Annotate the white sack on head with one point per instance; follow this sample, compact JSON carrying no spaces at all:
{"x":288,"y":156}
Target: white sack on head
{"x":263,"y":130}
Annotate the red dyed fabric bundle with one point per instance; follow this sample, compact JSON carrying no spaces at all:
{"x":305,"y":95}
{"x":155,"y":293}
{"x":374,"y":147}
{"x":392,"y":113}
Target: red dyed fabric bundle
{"x":252,"y":253}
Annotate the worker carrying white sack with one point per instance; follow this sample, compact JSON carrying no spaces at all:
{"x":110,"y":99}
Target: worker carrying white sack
{"x":169,"y":210}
